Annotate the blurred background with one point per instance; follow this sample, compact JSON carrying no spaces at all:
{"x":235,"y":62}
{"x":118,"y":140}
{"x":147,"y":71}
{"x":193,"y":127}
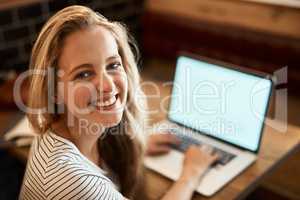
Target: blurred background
{"x":259,"y":34}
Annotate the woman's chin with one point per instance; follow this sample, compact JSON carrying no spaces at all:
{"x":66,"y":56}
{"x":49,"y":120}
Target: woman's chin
{"x":109,"y":121}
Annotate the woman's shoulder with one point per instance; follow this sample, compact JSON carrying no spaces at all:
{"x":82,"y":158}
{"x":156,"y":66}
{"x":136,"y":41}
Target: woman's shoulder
{"x":69,"y":184}
{"x":83,"y":188}
{"x":48,"y":148}
{"x":51,"y":153}
{"x":56,"y":170}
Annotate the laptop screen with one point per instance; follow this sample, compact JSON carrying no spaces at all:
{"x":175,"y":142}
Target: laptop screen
{"x":220,"y":102}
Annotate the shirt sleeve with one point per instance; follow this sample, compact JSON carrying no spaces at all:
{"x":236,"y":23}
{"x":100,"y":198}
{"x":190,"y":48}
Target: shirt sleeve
{"x":87,"y":187}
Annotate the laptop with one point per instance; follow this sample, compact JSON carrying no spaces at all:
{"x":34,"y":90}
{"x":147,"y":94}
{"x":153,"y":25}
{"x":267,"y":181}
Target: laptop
{"x":219,"y":105}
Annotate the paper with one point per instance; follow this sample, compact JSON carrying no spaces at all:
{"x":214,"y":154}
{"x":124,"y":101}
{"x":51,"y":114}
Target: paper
{"x":22,"y":133}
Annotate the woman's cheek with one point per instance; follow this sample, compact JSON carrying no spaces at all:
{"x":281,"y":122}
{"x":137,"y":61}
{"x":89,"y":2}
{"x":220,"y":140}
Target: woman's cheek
{"x":80,"y":99}
{"x":122,"y":84}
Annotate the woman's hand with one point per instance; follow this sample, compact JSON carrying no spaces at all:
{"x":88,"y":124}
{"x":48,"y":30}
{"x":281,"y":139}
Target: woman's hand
{"x":196,"y":161}
{"x":160,"y":143}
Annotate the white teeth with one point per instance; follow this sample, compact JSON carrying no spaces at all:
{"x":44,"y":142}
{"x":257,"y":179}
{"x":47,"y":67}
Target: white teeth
{"x":108,"y":102}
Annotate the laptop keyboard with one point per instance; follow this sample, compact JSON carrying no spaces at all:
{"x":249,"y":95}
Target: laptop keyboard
{"x":186,"y":141}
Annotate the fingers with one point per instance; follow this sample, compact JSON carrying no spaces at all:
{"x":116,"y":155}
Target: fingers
{"x":158,"y":149}
{"x":210,"y":151}
{"x":207,"y":149}
{"x":162,"y":149}
{"x":215,"y":157}
{"x":161,"y":143}
{"x":167,"y":138}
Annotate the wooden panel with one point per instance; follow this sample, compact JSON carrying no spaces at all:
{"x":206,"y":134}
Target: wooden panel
{"x":255,"y":42}
{"x":288,"y":3}
{"x":286,"y":179}
{"x":265,"y":18}
{"x":6,"y":4}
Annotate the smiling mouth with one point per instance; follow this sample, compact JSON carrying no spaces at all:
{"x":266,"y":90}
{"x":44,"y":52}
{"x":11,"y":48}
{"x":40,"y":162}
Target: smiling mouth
{"x":106,"y":104}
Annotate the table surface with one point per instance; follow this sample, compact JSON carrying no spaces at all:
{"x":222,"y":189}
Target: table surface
{"x":276,"y":146}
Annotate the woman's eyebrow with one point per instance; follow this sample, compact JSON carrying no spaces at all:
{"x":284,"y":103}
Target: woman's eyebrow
{"x":79,"y":66}
{"x":117,"y":56}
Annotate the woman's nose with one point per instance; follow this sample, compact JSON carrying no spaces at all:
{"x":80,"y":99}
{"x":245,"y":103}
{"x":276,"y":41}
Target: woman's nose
{"x":105,"y":83}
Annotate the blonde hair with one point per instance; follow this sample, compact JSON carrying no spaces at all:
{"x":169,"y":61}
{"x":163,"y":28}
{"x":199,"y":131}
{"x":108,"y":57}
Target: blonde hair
{"x":45,"y":55}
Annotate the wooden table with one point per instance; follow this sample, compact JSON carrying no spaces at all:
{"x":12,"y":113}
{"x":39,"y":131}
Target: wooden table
{"x":276,"y":147}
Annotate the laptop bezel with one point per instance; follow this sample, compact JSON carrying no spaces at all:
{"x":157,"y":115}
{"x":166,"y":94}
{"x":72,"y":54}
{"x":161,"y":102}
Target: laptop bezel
{"x":236,"y":68}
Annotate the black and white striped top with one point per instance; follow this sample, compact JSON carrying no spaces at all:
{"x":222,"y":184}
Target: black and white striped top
{"x":57,"y":170}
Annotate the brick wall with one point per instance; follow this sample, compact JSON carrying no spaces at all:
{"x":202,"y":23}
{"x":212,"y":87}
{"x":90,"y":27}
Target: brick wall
{"x":19,"y":26}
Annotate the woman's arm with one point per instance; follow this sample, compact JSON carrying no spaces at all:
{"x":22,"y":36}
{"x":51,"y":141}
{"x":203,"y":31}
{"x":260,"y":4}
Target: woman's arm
{"x":196,"y":163}
{"x":182,"y":189}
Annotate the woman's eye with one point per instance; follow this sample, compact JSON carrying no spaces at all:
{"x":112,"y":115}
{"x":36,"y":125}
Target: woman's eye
{"x":84,"y":75}
{"x":113,"y":66}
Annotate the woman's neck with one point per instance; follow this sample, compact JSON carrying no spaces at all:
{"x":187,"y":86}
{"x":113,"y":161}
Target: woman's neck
{"x":85,"y":142}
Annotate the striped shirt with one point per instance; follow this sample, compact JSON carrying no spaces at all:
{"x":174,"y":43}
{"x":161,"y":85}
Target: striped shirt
{"x":57,"y":170}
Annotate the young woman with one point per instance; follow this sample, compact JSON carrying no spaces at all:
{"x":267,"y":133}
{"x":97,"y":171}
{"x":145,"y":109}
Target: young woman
{"x":91,"y":142}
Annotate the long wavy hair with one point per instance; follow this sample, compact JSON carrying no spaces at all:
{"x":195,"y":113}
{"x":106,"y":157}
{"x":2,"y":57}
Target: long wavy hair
{"x":123,"y":153}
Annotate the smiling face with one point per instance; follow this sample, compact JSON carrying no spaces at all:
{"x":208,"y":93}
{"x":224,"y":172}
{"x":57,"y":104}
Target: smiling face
{"x":93,"y":82}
